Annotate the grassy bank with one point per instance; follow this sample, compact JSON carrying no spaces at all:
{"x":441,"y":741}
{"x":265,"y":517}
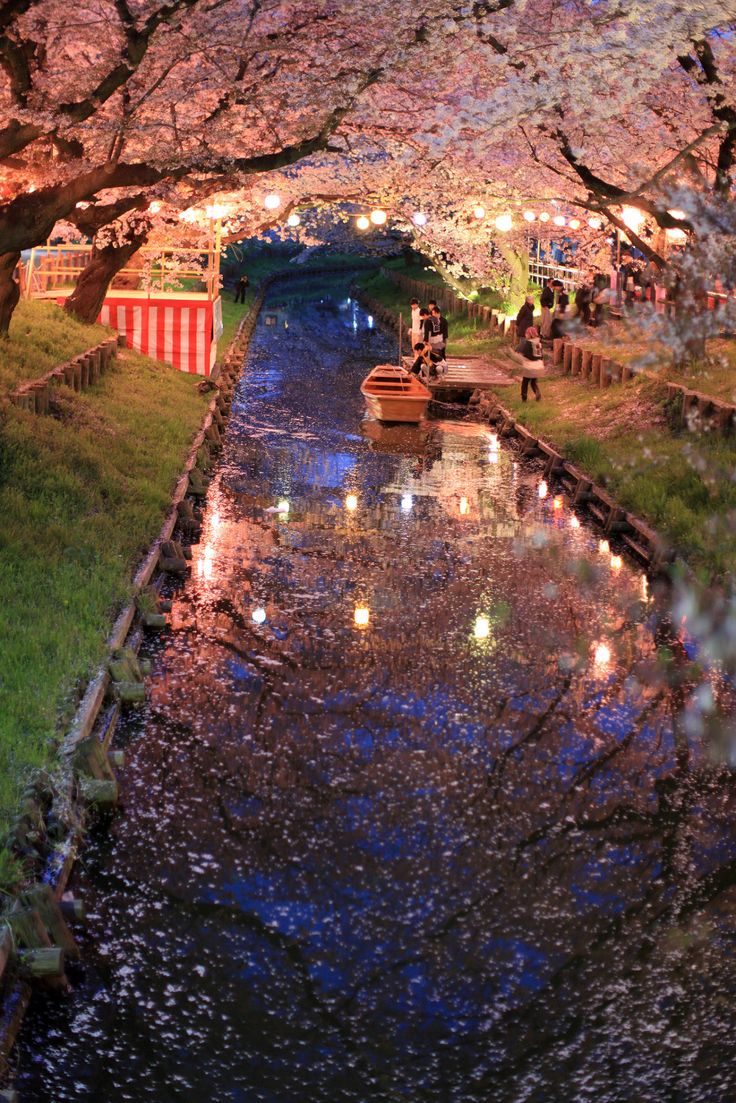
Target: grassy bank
{"x":623,"y":439}
{"x":467,"y":336}
{"x":82,"y":494}
{"x":41,"y":337}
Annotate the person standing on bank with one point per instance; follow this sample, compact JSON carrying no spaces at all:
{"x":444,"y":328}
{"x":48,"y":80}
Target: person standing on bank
{"x":416,"y":325}
{"x":436,"y":332}
{"x":532,"y":361}
{"x":547,"y":301}
{"x":524,"y":319}
{"x":241,"y":288}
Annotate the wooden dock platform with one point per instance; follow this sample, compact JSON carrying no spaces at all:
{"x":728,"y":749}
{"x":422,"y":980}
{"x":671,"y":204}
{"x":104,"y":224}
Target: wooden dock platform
{"x":466,"y":374}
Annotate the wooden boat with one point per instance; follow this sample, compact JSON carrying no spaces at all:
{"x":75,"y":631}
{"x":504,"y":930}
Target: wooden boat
{"x":393,"y":394}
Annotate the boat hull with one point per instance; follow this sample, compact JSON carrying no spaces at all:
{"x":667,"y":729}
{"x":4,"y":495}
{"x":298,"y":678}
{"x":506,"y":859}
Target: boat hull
{"x":393,"y":395}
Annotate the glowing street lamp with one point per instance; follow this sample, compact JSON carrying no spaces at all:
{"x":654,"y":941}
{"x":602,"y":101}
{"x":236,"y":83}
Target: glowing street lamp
{"x":378,"y":217}
{"x":362,"y":222}
{"x":504,"y":223}
{"x":272,"y":202}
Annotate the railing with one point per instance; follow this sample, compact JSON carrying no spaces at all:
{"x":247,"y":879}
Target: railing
{"x":539,"y":273}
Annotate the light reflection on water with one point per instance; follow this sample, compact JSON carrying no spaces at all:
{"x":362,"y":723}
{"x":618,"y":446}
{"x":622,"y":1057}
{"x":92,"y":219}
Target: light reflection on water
{"x":456,"y":851}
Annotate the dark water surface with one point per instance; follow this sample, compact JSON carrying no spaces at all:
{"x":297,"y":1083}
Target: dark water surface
{"x":461,"y":853}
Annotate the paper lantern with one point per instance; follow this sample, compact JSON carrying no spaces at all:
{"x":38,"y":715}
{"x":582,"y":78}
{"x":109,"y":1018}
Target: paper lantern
{"x":362,"y":616}
{"x":419,"y":219}
{"x":504,"y":223}
{"x":574,"y":223}
{"x":544,"y":217}
{"x":479,"y":212}
{"x":272,"y":202}
{"x":530,"y":216}
{"x":362,"y":222}
{"x":595,"y":223}
{"x":351,"y":503}
{"x":293,"y":220}
{"x":378,"y":217}
{"x":482,"y":628}
{"x":559,"y":220}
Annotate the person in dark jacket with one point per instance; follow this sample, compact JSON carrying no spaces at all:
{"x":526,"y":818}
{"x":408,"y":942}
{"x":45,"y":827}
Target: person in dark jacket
{"x":547,"y":301}
{"x":436,"y":332}
{"x":524,"y":318}
{"x":426,"y":360}
{"x":241,"y":288}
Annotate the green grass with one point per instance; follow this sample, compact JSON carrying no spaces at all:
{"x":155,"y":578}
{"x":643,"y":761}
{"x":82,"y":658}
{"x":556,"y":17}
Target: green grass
{"x":467,"y":337}
{"x":678,"y":482}
{"x":41,"y":337}
{"x":421,"y":269}
{"x":82,"y":495}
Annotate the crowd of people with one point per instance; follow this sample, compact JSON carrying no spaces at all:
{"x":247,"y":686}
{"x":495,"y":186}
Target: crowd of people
{"x":429,"y":333}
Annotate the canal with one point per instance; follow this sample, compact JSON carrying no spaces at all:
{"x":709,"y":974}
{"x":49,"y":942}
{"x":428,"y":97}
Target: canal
{"x":407,"y":814}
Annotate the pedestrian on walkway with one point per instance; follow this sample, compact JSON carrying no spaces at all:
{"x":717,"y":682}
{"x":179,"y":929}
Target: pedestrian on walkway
{"x":241,"y":288}
{"x":547,"y":301}
{"x":524,"y":319}
{"x":532,"y":360}
{"x":416,"y":323}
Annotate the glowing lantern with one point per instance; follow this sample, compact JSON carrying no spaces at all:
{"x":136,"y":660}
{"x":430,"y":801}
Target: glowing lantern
{"x":351,"y":503}
{"x":419,"y":219}
{"x":595,"y":223}
{"x":602,"y":654}
{"x":482,"y":628}
{"x":504,"y":223}
{"x":542,"y":489}
{"x":632,"y":218}
{"x":362,"y":222}
{"x":293,"y":220}
{"x":544,"y":217}
{"x":272,"y":202}
{"x":362,"y":616}
{"x":559,"y":220}
{"x":215,"y":211}
{"x":282,"y":506}
{"x":464,"y":505}
{"x":258,"y":615}
{"x":154,"y":207}
{"x":378,"y":217}
{"x":574,"y":223}
{"x":529,"y":216}
{"x":479,"y":212}
{"x":189,"y":215}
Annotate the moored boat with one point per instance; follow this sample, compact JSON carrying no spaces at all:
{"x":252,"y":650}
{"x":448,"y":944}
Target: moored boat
{"x":393,"y":394}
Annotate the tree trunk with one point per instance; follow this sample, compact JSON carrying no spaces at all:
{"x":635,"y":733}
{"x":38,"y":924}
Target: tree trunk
{"x":85,"y":302}
{"x":518,"y":262}
{"x":9,"y":290}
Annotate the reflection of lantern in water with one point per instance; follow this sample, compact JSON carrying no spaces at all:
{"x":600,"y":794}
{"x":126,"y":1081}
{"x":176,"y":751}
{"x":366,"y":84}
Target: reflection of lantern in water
{"x":557,"y":502}
{"x":644,"y":588}
{"x":351,"y":502}
{"x":542,"y":489}
{"x":574,"y":522}
{"x":604,"y":547}
{"x":362,"y":616}
{"x":258,"y":615}
{"x":464,"y":505}
{"x":406,"y":502}
{"x":616,"y":562}
{"x":482,"y":628}
{"x":282,"y":506}
{"x":602,"y":654}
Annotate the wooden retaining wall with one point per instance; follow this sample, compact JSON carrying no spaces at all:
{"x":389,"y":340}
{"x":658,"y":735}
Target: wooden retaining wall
{"x":79,"y":373}
{"x":699,"y":411}
{"x":448,"y":300}
{"x":636,"y":536}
